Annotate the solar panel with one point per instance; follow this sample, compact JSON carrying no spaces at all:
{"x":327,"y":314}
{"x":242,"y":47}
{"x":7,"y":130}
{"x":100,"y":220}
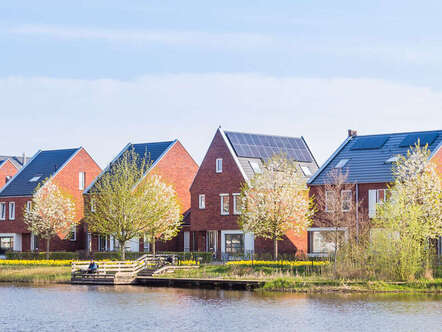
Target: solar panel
{"x":423,"y":139}
{"x":368,"y":143}
{"x":264,"y":147}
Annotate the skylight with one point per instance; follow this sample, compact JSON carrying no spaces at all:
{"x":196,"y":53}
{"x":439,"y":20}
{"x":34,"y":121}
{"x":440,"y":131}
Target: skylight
{"x":35,"y":178}
{"x":306,"y":171}
{"x":392,"y":159}
{"x":255,"y":167}
{"x":341,"y":163}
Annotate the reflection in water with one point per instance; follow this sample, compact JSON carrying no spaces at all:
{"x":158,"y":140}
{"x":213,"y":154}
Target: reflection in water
{"x":130,"y":308}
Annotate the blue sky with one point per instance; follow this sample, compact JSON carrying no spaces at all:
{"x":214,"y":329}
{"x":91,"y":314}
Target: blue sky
{"x":103,"y":73}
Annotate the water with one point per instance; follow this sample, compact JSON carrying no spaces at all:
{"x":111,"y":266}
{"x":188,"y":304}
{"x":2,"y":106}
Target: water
{"x":137,"y":308}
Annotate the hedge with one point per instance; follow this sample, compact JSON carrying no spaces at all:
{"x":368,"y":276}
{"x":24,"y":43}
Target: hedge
{"x":42,"y":255}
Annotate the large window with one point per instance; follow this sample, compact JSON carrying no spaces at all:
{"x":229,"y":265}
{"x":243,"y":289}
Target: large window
{"x":11,"y":210}
{"x":202,"y":201}
{"x":2,"y":211}
{"x":234,"y":243}
{"x":224,"y":204}
{"x":6,"y":243}
{"x":236,"y":204}
{"x":323,"y":242}
{"x":219,"y":165}
{"x":346,"y":200}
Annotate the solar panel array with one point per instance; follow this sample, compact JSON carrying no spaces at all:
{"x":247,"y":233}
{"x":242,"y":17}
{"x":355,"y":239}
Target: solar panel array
{"x":265,"y":146}
{"x":368,"y":143}
{"x":423,"y":139}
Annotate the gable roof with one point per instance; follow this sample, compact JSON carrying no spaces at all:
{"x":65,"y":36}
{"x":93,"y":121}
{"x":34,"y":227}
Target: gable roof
{"x":154,"y":152}
{"x":43,"y":165}
{"x":15,"y":160}
{"x":250,"y":149}
{"x":367,"y":155}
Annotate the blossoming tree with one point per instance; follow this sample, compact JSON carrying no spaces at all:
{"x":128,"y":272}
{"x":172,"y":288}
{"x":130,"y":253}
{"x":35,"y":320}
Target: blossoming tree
{"x":275,"y":201}
{"x":52,"y":213}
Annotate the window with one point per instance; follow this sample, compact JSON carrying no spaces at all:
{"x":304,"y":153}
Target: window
{"x":2,"y":211}
{"x":219,"y":165}
{"x":35,"y":178}
{"x":306,"y":171}
{"x":28,"y":206}
{"x":224,"y":204}
{"x":255,"y":167}
{"x":81,"y":180}
{"x":392,"y":159}
{"x":346,"y":200}
{"x":92,"y":205}
{"x":329,"y":201}
{"x":73,"y":233}
{"x":202,"y":201}
{"x":6,"y":243}
{"x":236,"y":204}
{"x":341,"y":163}
{"x":11,"y":210}
{"x":234,"y":243}
{"x":376,"y":196}
{"x":323,"y":242}
{"x":7,"y":178}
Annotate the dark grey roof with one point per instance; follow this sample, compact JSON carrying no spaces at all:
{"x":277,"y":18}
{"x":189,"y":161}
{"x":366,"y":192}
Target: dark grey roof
{"x":257,"y":148}
{"x":43,"y":165}
{"x":16,"y":160}
{"x":367,"y":155}
{"x":153,"y":152}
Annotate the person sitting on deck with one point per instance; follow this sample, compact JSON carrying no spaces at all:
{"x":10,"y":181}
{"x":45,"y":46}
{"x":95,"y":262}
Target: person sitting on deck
{"x":93,"y":267}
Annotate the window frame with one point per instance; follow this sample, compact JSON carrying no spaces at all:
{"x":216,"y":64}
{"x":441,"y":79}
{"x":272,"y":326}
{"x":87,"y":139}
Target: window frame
{"x":74,"y":232}
{"x":327,"y":209}
{"x":28,"y":206}
{"x":235,"y":198}
{"x":81,"y":180}
{"x":341,"y":163}
{"x":255,"y":167}
{"x":219,"y":165}
{"x":2,"y":210}
{"x":306,"y":170}
{"x":222,"y":204}
{"x":201,"y":201}
{"x":240,"y":249}
{"x":92,"y":205}
{"x":346,"y":191}
{"x":11,"y":209}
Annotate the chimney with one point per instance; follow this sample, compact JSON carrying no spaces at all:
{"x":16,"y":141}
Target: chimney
{"x":24,"y":159}
{"x":352,"y":133}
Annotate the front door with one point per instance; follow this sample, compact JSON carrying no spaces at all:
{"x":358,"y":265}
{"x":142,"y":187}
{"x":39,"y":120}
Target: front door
{"x":211,"y":241}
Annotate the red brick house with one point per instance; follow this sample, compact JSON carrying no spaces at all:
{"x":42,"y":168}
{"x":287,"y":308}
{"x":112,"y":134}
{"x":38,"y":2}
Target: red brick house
{"x":72,"y":170}
{"x":9,"y":166}
{"x":367,"y":162}
{"x":174,"y":164}
{"x":231,"y":160}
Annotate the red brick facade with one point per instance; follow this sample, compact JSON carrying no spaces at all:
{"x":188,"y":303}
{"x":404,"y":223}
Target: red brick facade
{"x":67,"y":179}
{"x":7,"y":169}
{"x":211,"y":184}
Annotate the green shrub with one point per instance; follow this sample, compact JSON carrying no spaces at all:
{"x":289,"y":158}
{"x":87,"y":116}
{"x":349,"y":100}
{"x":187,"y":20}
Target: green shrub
{"x":42,"y":255}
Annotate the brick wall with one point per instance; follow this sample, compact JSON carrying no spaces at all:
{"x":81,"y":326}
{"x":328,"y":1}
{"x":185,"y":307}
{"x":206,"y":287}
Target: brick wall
{"x":6,"y":169}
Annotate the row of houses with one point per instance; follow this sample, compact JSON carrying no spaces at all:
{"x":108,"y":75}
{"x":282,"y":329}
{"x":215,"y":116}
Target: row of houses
{"x":208,"y":193}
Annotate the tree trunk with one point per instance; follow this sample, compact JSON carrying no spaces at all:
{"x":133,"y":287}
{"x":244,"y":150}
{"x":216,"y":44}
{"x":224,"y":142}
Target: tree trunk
{"x":48,"y":240}
{"x":122,"y":250}
{"x":275,"y":249}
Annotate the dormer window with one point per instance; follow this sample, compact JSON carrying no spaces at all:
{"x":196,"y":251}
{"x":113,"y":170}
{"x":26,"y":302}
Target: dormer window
{"x":35,"y":178}
{"x":306,"y":171}
{"x":255,"y":167}
{"x":341,"y":163}
{"x":219,"y":165}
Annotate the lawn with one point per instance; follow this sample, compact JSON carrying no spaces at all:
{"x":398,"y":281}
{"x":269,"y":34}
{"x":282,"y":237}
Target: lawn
{"x":35,"y":274}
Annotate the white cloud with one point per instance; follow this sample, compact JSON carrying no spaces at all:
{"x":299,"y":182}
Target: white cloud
{"x":103,"y":115}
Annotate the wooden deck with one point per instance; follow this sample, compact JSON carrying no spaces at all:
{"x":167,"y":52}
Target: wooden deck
{"x":199,"y":282}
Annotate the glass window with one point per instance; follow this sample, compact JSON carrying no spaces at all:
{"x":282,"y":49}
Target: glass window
{"x":306,"y":171}
{"x":234,"y":243}
{"x":73,"y":233}
{"x":346,"y":200}
{"x":2,"y":211}
{"x":224,"y":204}
{"x":219,"y":165}
{"x":323,"y":242}
{"x":81,"y":180}
{"x":92,"y":205}
{"x":6,"y":243}
{"x":202,"y":201}
{"x":11,"y":210}
{"x":341,"y":163}
{"x":255,"y":167}
{"x":329,"y":201}
{"x":28,"y":206}
{"x":236,"y":204}
{"x":35,"y":178}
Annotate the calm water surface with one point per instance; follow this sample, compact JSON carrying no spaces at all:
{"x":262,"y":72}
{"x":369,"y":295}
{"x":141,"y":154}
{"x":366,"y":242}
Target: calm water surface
{"x":137,"y":308}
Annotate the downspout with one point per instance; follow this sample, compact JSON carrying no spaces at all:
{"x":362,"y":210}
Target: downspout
{"x":357,"y":212}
